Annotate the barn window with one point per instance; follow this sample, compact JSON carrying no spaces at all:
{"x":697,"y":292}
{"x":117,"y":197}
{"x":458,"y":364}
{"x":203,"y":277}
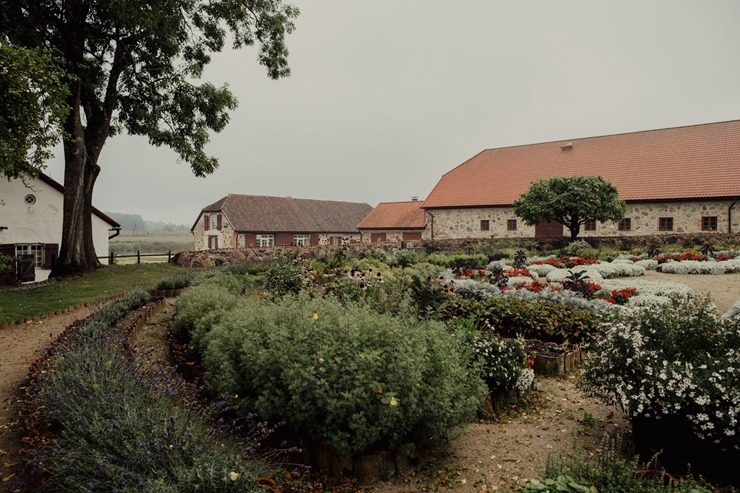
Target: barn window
{"x":265,"y":241}
{"x":511,"y":225}
{"x":589,"y":225}
{"x":29,"y":199}
{"x":665,"y":224}
{"x":625,"y":224}
{"x":300,"y":240}
{"x":484,"y":224}
{"x":709,"y":223}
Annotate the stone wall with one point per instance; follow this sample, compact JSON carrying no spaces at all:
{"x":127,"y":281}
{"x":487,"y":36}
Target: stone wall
{"x":687,"y":219}
{"x":224,"y":236}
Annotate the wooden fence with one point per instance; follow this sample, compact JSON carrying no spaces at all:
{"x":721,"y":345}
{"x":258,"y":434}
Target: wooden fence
{"x":138,"y":256}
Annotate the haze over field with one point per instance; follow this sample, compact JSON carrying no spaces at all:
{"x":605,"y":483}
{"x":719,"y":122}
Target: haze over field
{"x":387,"y":96}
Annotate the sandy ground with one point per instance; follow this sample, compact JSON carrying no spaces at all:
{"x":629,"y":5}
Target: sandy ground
{"x":499,"y":456}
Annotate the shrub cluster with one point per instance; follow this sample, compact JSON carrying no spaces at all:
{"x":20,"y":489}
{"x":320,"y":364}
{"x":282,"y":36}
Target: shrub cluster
{"x":120,"y":428}
{"x":545,"y":320}
{"x":681,"y":362}
{"x":342,"y":375}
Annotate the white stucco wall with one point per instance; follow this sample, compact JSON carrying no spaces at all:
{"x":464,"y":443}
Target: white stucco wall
{"x":40,"y":222}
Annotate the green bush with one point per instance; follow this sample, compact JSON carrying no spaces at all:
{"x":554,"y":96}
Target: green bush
{"x":177,"y":281}
{"x":501,"y":363}
{"x":543,"y":320}
{"x":675,"y":362}
{"x":287,"y":275}
{"x":609,"y":472}
{"x":343,"y":375}
{"x":234,"y":284}
{"x":199,"y":308}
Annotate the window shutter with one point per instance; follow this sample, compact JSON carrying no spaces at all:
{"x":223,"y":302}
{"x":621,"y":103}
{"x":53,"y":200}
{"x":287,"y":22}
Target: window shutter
{"x":218,"y":222}
{"x":205,"y":222}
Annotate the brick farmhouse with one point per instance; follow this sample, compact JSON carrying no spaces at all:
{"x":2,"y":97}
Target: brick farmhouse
{"x":394,"y":222}
{"x":241,"y":221}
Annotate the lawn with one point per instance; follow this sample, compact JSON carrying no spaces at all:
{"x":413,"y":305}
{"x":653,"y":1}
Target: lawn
{"x":71,"y":291}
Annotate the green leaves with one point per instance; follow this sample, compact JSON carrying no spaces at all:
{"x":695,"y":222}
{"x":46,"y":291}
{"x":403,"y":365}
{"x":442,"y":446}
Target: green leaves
{"x":571,"y":201}
{"x":32,"y":106}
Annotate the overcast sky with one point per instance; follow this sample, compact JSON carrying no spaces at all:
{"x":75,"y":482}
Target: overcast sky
{"x":387,"y":96}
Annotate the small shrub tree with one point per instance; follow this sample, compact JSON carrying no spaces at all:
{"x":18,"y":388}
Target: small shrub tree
{"x":571,"y":201}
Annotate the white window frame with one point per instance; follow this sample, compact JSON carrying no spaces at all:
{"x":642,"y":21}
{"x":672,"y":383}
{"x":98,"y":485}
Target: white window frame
{"x":35,"y":249}
{"x":213,"y":220}
{"x":300,"y":240}
{"x":264,"y":241}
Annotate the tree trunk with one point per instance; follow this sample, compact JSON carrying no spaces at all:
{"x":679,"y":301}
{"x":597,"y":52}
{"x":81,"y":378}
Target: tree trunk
{"x":77,"y":253}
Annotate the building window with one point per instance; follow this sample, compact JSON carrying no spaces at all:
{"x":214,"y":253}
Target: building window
{"x":29,"y":199}
{"x":214,"y":221}
{"x":484,"y":224}
{"x":665,"y":224}
{"x":300,"y":240}
{"x":589,"y":225}
{"x":709,"y":223}
{"x":213,"y":242}
{"x":34,"y":249}
{"x":625,"y":224}
{"x":265,"y":240}
{"x":511,"y":225}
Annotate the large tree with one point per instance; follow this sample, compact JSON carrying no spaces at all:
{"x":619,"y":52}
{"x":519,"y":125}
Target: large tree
{"x":571,"y":201}
{"x":33,"y":97}
{"x":135,"y":65}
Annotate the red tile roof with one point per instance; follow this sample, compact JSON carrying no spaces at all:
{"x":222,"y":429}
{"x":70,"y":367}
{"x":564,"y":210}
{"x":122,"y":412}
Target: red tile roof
{"x":263,"y":214}
{"x":395,"y":215}
{"x":698,"y":161}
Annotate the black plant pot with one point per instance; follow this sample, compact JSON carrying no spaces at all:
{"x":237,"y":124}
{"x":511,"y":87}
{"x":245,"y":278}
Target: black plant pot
{"x":681,"y":451}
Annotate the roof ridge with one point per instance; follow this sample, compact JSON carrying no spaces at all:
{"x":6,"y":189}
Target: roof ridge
{"x":603,"y":135}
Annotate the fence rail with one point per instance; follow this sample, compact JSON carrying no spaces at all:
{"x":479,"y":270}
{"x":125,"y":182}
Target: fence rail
{"x":138,"y":255}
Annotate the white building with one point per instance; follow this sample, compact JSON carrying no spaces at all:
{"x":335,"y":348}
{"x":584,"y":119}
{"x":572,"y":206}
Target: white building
{"x":32,"y":211}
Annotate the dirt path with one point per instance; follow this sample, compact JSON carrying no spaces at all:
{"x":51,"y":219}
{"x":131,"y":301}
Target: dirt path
{"x":486,"y":457}
{"x":19,"y":346}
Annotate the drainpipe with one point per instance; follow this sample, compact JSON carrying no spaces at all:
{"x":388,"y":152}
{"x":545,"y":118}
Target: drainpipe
{"x":729,"y":216}
{"x":117,"y":231}
{"x":432,"y":225}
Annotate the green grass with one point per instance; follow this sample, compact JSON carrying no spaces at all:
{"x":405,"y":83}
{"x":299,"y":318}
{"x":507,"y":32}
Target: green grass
{"x":71,"y":291}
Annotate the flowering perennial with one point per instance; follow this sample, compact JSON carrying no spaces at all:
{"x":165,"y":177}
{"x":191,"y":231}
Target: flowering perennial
{"x":682,"y":361}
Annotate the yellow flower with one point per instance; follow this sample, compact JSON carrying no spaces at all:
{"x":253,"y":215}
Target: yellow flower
{"x":315,"y":316}
{"x":233,"y":476}
{"x":393,"y":401}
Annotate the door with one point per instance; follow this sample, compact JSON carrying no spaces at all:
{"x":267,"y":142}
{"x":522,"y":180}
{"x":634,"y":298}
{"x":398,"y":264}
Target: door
{"x":550,"y":229}
{"x":377,"y":237}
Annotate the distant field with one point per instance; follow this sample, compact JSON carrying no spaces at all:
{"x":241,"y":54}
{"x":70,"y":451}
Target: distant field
{"x":159,"y":242}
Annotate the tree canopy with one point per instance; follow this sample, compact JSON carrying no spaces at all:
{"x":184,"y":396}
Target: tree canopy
{"x":571,"y":201}
{"x":135,"y":66}
{"x":33,"y":105}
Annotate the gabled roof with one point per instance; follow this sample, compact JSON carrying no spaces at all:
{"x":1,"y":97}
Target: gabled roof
{"x":258,"y":213}
{"x":57,"y":186}
{"x":697,"y":161}
{"x":395,"y":215}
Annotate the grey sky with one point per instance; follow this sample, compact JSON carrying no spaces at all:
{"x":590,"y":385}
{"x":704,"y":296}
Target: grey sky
{"x":386,"y":96}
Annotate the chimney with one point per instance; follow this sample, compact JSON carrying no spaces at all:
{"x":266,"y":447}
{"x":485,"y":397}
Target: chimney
{"x":414,"y":198}
{"x":567,"y":147}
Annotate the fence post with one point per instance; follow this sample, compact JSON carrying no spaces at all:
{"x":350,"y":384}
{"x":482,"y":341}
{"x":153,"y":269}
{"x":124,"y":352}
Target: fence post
{"x":169,"y":256}
{"x":110,"y":258}
{"x":138,"y":256}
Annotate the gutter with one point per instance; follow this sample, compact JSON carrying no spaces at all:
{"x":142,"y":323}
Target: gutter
{"x":729,"y":216}
{"x":432,"y":225}
{"x":117,"y":231}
